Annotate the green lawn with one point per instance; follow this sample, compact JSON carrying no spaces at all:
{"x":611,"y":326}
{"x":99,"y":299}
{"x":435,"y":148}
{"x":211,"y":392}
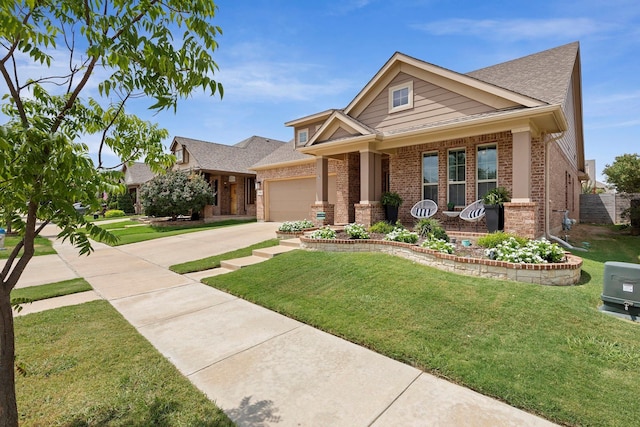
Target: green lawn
{"x":86,"y":366}
{"x":133,"y":232}
{"x":214,"y":261}
{"x":43,"y":246}
{"x":547,"y":350}
{"x":51,"y":290}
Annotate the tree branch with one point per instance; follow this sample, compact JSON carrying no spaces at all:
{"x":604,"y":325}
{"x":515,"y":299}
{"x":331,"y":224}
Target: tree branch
{"x":106,"y":129}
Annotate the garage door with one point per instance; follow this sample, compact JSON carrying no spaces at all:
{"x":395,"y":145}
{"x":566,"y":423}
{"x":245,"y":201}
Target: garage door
{"x":291,"y":200}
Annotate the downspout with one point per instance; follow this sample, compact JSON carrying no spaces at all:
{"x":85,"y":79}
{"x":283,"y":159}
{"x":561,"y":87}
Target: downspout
{"x":547,"y":209}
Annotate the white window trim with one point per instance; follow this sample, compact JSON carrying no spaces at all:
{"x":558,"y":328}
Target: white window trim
{"x":179,"y":158}
{"x":430,"y":153}
{"x":300,"y":133}
{"x":409,"y":104}
{"x":449,"y":182}
{"x":479,"y":181}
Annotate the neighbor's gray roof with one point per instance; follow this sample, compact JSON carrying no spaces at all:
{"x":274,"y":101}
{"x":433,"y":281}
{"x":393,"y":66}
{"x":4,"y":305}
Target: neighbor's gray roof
{"x":236,"y":158}
{"x":284,"y":154}
{"x":544,"y":75}
{"x":137,"y":173}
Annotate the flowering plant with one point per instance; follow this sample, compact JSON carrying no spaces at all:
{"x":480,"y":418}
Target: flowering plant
{"x":323,"y":233}
{"x":439,"y":245}
{"x":295,"y":226}
{"x":532,"y":252}
{"x":356,"y":231}
{"x":402,"y":235}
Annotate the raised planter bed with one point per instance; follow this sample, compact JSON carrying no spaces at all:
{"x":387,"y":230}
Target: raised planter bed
{"x":292,"y":234}
{"x":554,"y":274}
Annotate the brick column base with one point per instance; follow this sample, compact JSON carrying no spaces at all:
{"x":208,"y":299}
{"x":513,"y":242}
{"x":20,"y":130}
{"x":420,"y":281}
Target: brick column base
{"x":328,"y":210}
{"x":520,"y":218}
{"x":369,"y":213}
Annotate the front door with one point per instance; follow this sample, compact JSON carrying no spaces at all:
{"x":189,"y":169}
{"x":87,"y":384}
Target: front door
{"x":234,"y":201}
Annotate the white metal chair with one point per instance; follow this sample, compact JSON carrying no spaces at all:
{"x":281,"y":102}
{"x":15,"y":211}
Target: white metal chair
{"x":424,"y":209}
{"x":473,"y":213}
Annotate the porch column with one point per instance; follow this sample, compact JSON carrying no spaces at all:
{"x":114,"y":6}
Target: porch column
{"x":370,"y":177}
{"x":322,"y":213}
{"x":369,"y":210}
{"x":521,"y":161}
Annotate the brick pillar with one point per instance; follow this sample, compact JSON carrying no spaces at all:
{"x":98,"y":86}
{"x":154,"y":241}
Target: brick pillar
{"x":369,"y":213}
{"x":329,"y":213}
{"x":520,"y":219}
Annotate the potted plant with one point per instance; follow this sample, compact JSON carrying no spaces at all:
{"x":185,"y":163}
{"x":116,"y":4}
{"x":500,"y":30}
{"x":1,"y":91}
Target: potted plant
{"x":451,"y":206}
{"x":391,"y":201}
{"x":494,"y":208}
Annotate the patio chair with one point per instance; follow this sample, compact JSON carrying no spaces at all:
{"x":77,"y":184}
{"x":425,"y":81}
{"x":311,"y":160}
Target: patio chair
{"x":424,"y":209}
{"x":473,"y":213}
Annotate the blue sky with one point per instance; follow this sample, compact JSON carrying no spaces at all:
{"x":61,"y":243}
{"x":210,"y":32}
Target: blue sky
{"x":281,"y":60}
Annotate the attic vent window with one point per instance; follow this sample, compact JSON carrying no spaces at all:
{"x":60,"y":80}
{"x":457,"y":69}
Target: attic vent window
{"x":303,"y":136}
{"x":179,"y":156}
{"x":401,"y":97}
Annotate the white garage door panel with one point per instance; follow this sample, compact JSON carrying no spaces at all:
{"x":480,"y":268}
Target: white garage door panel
{"x":291,"y":200}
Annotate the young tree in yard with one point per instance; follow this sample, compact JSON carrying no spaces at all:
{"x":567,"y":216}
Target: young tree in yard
{"x":624,"y":173}
{"x":175,"y":193}
{"x":68,"y":69}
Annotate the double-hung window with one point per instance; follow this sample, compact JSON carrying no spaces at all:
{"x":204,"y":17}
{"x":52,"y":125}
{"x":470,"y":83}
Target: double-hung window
{"x":430,"y":176}
{"x":303,"y":136}
{"x":487,"y":169}
{"x":457,"y":176}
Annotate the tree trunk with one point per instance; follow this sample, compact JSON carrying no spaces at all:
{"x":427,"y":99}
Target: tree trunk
{"x":8,"y":405}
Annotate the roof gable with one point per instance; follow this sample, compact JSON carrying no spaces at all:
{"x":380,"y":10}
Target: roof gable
{"x":137,"y":173}
{"x":340,"y":124}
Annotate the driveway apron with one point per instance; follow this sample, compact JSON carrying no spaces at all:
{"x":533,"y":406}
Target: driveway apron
{"x":262,"y":368}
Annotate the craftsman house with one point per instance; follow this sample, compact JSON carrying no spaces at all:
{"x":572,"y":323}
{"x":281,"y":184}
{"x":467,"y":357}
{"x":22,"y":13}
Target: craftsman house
{"x":135,"y":175}
{"x":226,"y":168}
{"x":427,"y":132}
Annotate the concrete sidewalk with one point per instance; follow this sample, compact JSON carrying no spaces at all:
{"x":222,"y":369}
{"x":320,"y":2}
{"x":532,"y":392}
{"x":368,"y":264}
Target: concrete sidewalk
{"x":260,"y":367}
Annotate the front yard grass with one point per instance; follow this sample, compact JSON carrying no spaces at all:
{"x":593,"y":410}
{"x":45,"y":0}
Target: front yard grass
{"x":214,"y":261}
{"x":43,"y":246}
{"x":547,"y":350}
{"x":51,"y":290}
{"x":85,"y":365}
{"x":133,"y":231}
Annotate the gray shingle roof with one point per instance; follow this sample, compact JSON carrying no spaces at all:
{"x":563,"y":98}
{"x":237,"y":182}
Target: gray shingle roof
{"x":544,"y":75}
{"x":137,"y":173}
{"x":284,"y":154}
{"x":236,"y":158}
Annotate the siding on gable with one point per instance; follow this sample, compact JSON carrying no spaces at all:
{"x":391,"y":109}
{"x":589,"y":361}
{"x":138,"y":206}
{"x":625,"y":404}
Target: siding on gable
{"x":431,"y":104}
{"x":568,"y":142}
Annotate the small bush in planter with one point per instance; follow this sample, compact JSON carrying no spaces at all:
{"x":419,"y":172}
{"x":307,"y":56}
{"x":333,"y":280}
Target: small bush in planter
{"x":431,"y":228}
{"x":439,"y":245}
{"x":295,"y":226}
{"x":391,"y":199}
{"x":532,"y":252}
{"x":496,"y":196}
{"x":402,"y":235}
{"x":356,"y":231}
{"x":323,"y":233}
{"x":382,"y":227}
{"x":494,"y":239}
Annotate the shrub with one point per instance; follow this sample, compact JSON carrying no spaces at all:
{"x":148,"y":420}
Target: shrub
{"x":356,"y":231}
{"x":402,"y":235}
{"x":430,"y":228}
{"x":295,"y":226}
{"x":175,"y":193}
{"x":382,"y":227}
{"x":439,"y":245}
{"x":532,"y":252}
{"x":494,"y":239}
{"x":323,"y":233}
{"x":114,"y":213}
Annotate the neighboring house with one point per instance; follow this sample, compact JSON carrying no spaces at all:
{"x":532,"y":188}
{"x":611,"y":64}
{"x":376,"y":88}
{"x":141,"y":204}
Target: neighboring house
{"x":424,"y":131}
{"x":136,"y":174}
{"x":226,"y":168}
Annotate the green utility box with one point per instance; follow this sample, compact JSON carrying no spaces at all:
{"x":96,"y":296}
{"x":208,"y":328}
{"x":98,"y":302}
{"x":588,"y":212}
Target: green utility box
{"x":621,"y":287}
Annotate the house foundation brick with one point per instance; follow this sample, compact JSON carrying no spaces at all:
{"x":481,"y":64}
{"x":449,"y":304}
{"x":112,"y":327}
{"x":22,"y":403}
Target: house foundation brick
{"x":521,"y":219}
{"x":329,"y":214}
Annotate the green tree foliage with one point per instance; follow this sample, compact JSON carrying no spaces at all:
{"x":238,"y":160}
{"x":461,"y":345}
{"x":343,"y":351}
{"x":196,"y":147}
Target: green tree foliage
{"x":175,"y":193}
{"x":624,"y":173}
{"x":67,"y":70}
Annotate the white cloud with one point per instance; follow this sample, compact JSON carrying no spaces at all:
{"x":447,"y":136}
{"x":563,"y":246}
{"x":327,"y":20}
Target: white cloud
{"x":514,"y":29}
